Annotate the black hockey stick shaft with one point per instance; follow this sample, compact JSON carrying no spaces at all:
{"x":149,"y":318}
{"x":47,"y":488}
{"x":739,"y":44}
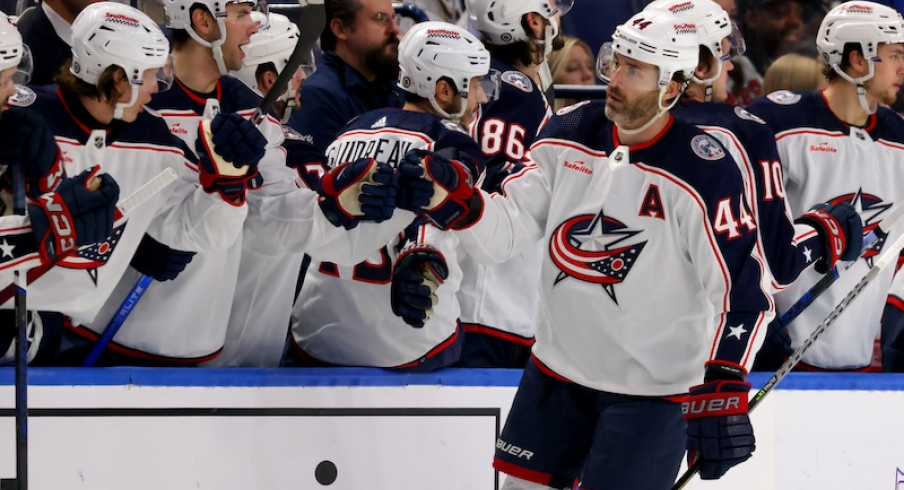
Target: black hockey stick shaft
{"x":827,"y":280}
{"x":313,"y":19}
{"x":889,"y":256}
{"x":21,"y":348}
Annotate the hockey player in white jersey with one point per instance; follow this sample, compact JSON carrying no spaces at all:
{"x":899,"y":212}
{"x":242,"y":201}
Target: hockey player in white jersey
{"x":498,"y":301}
{"x":119,"y":59}
{"x":239,"y":300}
{"x":840,"y":145}
{"x":788,"y":251}
{"x":46,"y":231}
{"x":650,"y":284}
{"x":345,"y":315}
{"x":266,"y":56}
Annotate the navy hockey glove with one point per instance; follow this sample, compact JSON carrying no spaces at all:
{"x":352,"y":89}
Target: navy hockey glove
{"x":718,"y":428}
{"x":159,"y":261}
{"x":363,"y":190}
{"x":497,"y":175}
{"x":27,"y":142}
{"x":892,"y":338}
{"x":73,"y":216}
{"x":775,"y":350}
{"x":229,"y":147}
{"x":438,"y":187}
{"x":417,"y":273}
{"x":840,"y":230}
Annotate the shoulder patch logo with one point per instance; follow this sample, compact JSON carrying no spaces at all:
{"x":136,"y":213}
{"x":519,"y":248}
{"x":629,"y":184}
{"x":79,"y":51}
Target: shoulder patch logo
{"x":743,"y":114}
{"x":784,"y":97}
{"x":519,"y":80}
{"x":23,"y":97}
{"x":707,"y":148}
{"x":572,"y":108}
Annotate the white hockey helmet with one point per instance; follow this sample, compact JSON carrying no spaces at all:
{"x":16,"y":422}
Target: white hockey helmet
{"x":109,"y":33}
{"x":657,"y":38}
{"x":273,"y":43}
{"x":866,"y":24}
{"x":433,"y":50}
{"x":178,"y":16}
{"x":500,"y":20}
{"x":713,"y":25}
{"x":13,"y":53}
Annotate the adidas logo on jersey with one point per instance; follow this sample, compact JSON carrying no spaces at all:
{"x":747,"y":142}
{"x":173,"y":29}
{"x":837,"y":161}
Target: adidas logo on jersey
{"x":381,"y":123}
{"x":824,"y":147}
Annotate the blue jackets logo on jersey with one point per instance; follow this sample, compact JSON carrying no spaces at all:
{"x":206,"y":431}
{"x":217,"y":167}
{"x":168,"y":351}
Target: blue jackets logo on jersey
{"x":593,"y":248}
{"x":94,"y":256}
{"x":707,"y":148}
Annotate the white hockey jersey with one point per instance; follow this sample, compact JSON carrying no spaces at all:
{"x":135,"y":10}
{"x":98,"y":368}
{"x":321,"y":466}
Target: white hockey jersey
{"x":651,"y":269}
{"x":249,"y":286}
{"x":826,"y":160}
{"x":83,"y":285}
{"x":343,"y":315}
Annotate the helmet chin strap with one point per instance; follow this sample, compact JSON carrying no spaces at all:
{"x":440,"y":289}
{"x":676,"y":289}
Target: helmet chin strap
{"x":453,"y":117}
{"x":861,"y":90}
{"x":662,"y":110}
{"x":216,"y":46}
{"x":120,"y":106}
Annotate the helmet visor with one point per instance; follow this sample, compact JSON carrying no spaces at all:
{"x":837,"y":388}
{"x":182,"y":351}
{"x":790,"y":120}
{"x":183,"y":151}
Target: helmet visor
{"x":26,"y":65}
{"x":603,"y":60}
{"x":738,"y":45}
{"x":563,"y":6}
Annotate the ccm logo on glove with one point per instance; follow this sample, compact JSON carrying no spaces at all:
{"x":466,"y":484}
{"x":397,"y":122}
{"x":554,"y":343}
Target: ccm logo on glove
{"x":59,"y":218}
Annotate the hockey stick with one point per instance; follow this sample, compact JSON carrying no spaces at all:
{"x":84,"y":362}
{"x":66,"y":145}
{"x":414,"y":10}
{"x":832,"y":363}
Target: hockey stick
{"x":20,"y":283}
{"x":115,"y":324}
{"x":313,"y":19}
{"x":828,"y":279}
{"x":889,"y":256}
{"x":125,"y":207}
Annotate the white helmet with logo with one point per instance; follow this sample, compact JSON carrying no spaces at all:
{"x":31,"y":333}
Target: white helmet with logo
{"x":431,"y":51}
{"x":865,"y":24}
{"x":178,"y":16}
{"x":273,"y":43}
{"x":659,"y":39}
{"x":106,"y":34}
{"x":713,"y":25}
{"x":500,"y":20}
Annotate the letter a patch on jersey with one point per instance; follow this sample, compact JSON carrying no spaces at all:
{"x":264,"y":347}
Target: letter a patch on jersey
{"x":652,"y":204}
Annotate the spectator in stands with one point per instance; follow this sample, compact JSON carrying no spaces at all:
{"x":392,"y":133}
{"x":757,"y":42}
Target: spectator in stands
{"x":772,"y":28}
{"x":571,"y":65}
{"x":358,"y":71}
{"x":794,"y":72}
{"x":47,"y":30}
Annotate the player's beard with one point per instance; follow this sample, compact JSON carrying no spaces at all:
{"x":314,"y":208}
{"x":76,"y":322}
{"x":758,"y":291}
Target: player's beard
{"x":383,"y":62}
{"x":634,"y":113}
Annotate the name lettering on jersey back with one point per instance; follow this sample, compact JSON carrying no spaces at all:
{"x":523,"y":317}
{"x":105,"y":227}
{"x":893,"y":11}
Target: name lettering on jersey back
{"x":387,"y":150}
{"x":579,"y":166}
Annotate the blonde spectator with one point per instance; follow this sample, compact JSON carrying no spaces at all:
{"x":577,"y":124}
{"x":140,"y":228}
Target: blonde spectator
{"x":794,"y":72}
{"x":571,"y":65}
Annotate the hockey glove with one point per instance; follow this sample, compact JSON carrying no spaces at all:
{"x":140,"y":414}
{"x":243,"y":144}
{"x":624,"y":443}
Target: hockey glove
{"x":363,"y":190}
{"x":27,"y":142}
{"x":840,"y":230}
{"x":159,"y":261}
{"x":718,"y":428}
{"x":435,"y":186}
{"x":73,"y":215}
{"x":417,"y":273}
{"x":229,"y":147}
{"x":775,"y":350}
{"x":497,"y":175}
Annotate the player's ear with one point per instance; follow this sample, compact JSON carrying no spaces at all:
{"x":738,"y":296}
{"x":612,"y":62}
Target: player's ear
{"x":536,"y":23}
{"x":122,"y":86}
{"x":858,"y":63}
{"x":204,"y":24}
{"x":444,"y":92}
